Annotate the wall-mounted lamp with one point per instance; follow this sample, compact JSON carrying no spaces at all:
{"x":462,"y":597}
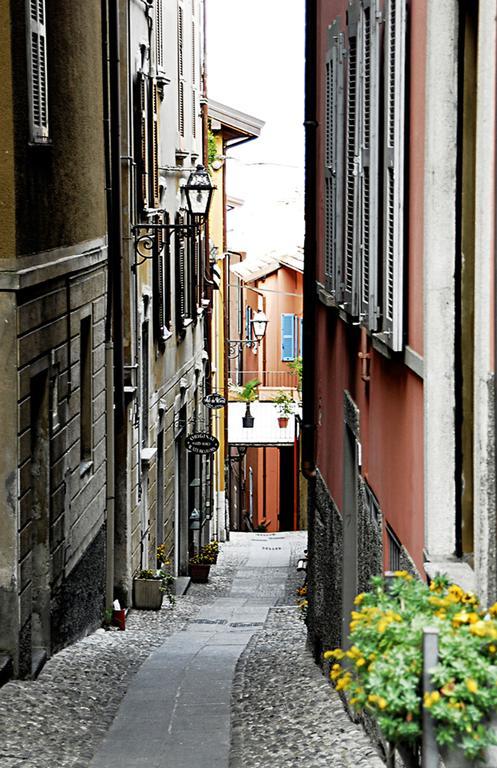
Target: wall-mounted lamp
{"x":258,"y":323}
{"x":149,"y":240}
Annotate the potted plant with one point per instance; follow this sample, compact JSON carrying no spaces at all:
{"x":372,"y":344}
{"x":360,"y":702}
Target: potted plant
{"x":200,"y":566}
{"x":382,"y":669}
{"x":284,"y":405}
{"x":149,"y":587}
{"x":248,"y":393}
{"x":212,"y":549}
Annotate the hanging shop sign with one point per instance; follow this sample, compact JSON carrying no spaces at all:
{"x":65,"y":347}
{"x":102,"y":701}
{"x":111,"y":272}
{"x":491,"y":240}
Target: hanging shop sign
{"x":201,"y":442}
{"x":214,"y":400}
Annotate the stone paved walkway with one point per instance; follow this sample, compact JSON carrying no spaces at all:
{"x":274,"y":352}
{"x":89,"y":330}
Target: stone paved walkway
{"x":223,"y":680}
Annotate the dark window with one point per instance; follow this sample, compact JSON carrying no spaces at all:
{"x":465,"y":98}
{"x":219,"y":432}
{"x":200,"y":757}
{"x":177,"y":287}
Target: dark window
{"x":85,"y":389}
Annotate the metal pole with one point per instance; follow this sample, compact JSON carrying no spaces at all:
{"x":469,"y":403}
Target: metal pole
{"x":429,"y":747}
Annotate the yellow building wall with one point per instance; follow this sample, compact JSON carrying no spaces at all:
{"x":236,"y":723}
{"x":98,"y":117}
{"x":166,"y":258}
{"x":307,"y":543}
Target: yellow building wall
{"x":216,"y":234}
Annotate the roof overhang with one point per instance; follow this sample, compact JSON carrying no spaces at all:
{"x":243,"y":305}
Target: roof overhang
{"x":236,"y":126}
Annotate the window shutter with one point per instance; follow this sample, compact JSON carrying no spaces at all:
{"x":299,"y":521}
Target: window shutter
{"x":369,"y":132}
{"x":393,"y":190}
{"x":154,"y":143}
{"x":143,"y":154}
{"x":194,"y":81}
{"x":181,"y":74}
{"x":287,"y":337}
{"x":301,"y":348}
{"x":333,"y":171}
{"x":159,"y":35}
{"x":37,"y":70}
{"x":161,"y":283}
{"x":248,"y":324}
{"x":179,"y":244}
{"x":351,"y":266}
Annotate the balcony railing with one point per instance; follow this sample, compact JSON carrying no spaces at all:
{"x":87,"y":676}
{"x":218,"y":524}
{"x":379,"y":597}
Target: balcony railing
{"x":268,"y":379}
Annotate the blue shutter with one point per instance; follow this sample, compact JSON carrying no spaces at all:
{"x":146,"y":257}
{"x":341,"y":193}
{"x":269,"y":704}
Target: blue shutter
{"x":301,"y":348}
{"x":287,"y":337}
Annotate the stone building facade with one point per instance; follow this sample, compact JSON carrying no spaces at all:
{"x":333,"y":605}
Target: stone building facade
{"x":159,"y":483}
{"x":53,"y":265}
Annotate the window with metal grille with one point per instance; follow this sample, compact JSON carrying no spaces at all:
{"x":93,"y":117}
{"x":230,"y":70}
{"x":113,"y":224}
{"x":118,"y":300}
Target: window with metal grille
{"x":37,"y":71}
{"x":394,"y":550}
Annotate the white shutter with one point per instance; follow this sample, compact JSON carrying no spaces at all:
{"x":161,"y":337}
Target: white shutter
{"x":369,"y":139}
{"x":37,"y":70}
{"x":181,"y":72}
{"x":154,"y":143}
{"x":393,"y":191}
{"x":143,"y":138}
{"x":351,"y":263}
{"x":333,"y":170}
{"x":159,"y":35}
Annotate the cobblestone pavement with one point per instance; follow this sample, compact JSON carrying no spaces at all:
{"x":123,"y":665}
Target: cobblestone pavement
{"x":284,"y":711}
{"x":59,"y":719}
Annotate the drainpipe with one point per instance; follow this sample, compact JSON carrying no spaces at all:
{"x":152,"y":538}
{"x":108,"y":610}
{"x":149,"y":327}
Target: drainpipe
{"x":310,"y":244}
{"x":114,"y":384}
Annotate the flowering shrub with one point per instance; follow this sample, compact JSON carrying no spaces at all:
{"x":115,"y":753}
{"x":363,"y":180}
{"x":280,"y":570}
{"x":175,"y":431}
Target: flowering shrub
{"x":162,"y":554}
{"x":382,"y":669}
{"x":207,"y":554}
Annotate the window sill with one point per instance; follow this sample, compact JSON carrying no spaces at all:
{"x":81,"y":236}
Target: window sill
{"x":325,"y":296}
{"x":147,"y":456}
{"x":458,"y":571}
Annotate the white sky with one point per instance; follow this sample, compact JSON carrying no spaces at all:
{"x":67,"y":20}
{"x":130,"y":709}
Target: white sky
{"x":255,"y":63}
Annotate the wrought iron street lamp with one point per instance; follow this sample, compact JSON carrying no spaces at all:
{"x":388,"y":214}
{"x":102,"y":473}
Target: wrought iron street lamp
{"x":150,"y":238}
{"x":198,"y":192}
{"x":259,"y":325}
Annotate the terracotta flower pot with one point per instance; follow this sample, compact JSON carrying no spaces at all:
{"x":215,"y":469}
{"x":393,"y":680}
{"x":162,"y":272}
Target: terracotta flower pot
{"x":283,"y":421}
{"x":147,"y":594}
{"x":199,"y":572}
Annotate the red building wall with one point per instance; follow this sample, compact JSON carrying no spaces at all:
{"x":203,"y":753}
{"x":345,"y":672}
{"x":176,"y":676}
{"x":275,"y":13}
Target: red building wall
{"x":391,"y":402}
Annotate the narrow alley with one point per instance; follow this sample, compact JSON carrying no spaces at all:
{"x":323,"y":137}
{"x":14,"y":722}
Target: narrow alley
{"x":221,"y":679}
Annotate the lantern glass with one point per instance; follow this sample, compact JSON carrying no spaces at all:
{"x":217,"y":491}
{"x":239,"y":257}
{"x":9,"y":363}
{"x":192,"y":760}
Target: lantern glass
{"x":259,"y":324}
{"x":198,"y":191}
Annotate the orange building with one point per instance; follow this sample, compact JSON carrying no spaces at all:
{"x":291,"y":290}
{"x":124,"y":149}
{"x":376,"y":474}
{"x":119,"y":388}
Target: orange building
{"x":264,"y":479}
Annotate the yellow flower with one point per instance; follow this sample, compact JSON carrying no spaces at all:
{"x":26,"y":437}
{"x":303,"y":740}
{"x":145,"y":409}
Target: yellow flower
{"x":382,"y":625}
{"x":360,"y":662}
{"x":343,"y":683}
{"x":493,"y":610}
{"x":469,"y":599}
{"x":465,"y":618}
{"x":382,"y":703}
{"x":471,"y":685}
{"x":492,"y":648}
{"x":403,"y":575}
{"x":358,"y":600}
{"x":431,"y":698}
{"x":483,"y":629}
{"x":336,"y":654}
